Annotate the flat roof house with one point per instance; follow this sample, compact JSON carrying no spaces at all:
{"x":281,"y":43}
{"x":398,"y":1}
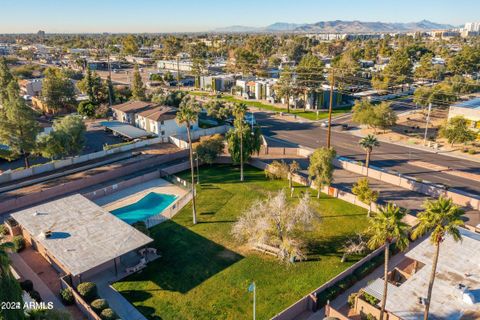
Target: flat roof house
{"x":469,"y":109}
{"x":79,"y":238}
{"x":456,"y":290}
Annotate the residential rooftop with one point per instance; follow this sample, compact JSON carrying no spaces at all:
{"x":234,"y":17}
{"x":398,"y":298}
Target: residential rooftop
{"x":458,"y":273}
{"x":132,"y":106}
{"x":84,"y":235}
{"x":159,"y":113}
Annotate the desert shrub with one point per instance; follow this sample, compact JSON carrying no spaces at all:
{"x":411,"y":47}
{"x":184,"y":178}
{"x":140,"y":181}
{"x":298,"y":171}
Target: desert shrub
{"x":3,"y":229}
{"x":19,"y":243}
{"x":351,"y":299}
{"x":472,"y":151}
{"x":27,"y":285}
{"x":108,"y":314}
{"x":88,"y":291}
{"x":67,"y":296}
{"x":99,"y":305}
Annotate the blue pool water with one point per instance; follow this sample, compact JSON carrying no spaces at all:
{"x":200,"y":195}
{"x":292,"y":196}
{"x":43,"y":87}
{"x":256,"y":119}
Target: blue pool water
{"x":150,"y":205}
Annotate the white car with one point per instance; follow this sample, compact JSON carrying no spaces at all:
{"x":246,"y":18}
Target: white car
{"x":324,"y":124}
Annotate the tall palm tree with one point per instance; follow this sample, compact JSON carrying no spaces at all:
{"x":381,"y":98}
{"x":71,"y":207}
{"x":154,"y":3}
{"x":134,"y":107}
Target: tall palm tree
{"x":386,"y":227}
{"x":239,"y":111}
{"x":368,"y":143}
{"x":187,"y":114}
{"x":441,"y":217}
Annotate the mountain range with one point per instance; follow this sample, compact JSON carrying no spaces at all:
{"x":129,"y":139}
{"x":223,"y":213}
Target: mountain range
{"x":339,"y":26}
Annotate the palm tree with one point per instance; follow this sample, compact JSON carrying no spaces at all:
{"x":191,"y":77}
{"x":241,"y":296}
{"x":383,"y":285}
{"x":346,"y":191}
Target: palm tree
{"x":386,"y":227}
{"x":368,"y":143}
{"x":239,"y":111}
{"x":441,"y":217}
{"x":187,"y":114}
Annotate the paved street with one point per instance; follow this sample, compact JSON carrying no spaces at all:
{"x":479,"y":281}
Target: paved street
{"x":388,"y":156}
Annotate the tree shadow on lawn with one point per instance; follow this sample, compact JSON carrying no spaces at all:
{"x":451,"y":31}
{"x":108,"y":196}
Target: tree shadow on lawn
{"x":328,"y":247}
{"x":149,"y":312}
{"x":188,"y":259}
{"x":227,"y":173}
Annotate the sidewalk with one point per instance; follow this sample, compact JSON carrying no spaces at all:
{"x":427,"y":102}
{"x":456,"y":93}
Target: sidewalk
{"x":122,"y":307}
{"x":357,"y":133}
{"x":27,"y":273}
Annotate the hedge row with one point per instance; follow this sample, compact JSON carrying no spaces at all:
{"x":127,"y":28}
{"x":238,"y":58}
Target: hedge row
{"x":88,"y":291}
{"x":359,"y":273}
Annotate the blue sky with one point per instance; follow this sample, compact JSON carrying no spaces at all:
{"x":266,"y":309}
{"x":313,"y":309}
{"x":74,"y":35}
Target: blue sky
{"x":203,"y":15}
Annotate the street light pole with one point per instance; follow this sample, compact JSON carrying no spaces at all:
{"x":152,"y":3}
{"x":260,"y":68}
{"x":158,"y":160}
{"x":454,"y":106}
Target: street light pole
{"x":426,"y":125}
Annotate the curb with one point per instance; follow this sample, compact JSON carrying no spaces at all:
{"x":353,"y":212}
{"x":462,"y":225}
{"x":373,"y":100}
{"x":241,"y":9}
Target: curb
{"x":440,"y":152}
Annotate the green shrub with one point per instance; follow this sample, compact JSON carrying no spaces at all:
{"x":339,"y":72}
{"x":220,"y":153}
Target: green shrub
{"x":346,"y":282}
{"x":332,"y":292}
{"x":67,"y":296}
{"x":370,"y":299}
{"x":369,"y":316}
{"x":88,"y":291}
{"x":364,"y":269}
{"x":472,"y":151}
{"x":27,"y":285}
{"x":99,"y":305}
{"x":35,"y":296}
{"x":108,"y":314}
{"x":19,"y":243}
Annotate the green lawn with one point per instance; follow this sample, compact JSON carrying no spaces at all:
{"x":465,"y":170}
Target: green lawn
{"x":311,"y":115}
{"x":204,"y":274}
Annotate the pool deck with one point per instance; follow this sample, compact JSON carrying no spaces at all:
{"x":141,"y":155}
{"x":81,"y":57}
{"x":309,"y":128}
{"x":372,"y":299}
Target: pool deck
{"x":131,"y":195}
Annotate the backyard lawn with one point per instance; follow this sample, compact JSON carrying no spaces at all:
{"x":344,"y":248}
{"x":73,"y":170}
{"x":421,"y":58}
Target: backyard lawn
{"x":311,"y":115}
{"x":204,"y":274}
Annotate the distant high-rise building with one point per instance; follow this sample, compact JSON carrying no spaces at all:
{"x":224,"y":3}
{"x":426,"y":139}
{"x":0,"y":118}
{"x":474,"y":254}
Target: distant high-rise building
{"x":472,"y":26}
{"x":41,"y":33}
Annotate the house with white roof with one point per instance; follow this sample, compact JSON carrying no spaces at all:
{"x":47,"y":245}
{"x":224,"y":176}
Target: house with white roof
{"x":456,"y":290}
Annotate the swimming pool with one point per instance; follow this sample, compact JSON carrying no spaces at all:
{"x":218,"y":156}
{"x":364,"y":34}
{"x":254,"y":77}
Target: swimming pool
{"x":150,"y":205}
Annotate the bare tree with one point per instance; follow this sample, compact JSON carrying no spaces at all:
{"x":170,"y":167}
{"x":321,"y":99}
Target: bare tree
{"x":354,"y":245}
{"x":277,"y":223}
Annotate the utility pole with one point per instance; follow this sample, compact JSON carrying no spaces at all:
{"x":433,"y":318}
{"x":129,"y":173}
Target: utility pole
{"x":178,"y":71}
{"x":332,"y":84}
{"x":110,"y":78}
{"x":426,"y":125}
